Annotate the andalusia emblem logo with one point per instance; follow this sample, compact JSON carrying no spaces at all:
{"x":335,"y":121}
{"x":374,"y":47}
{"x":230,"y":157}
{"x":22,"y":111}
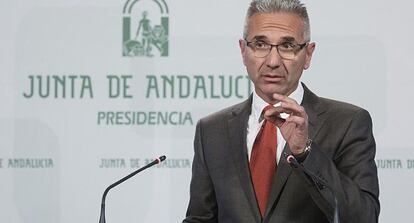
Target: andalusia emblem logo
{"x":141,"y":35}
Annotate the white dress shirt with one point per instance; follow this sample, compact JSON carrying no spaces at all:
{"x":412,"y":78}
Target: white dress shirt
{"x":255,"y":120}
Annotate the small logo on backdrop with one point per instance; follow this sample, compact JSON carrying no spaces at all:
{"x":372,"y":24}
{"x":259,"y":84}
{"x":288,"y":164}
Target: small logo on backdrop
{"x":145,"y":28}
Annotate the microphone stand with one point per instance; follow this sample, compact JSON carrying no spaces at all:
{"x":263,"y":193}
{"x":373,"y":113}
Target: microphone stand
{"x":317,"y":180}
{"x":102,"y":217}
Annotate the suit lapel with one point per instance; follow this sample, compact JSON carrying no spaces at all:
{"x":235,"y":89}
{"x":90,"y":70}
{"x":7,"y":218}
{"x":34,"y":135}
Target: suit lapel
{"x":279,"y":180}
{"x":311,"y":104}
{"x":237,"y":127}
{"x":314,"y":109}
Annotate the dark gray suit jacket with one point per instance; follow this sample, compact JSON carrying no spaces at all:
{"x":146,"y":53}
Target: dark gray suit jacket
{"x":342,"y":154}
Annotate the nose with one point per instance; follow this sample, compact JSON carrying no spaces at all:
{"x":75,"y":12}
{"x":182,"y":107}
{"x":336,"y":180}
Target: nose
{"x":273,"y":60}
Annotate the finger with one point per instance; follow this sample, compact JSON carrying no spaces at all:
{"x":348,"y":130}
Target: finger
{"x":283,"y":98}
{"x":289,"y":103}
{"x":278,"y":121}
{"x":294,"y":109}
{"x":284,"y":112}
{"x":274,"y":111}
{"x":280,"y":110}
{"x":274,"y":118}
{"x":276,"y":115}
{"x":300,"y":122}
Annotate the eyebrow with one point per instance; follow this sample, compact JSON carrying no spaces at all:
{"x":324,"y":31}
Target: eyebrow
{"x":283,"y":39}
{"x":260,"y":38}
{"x":288,"y":39}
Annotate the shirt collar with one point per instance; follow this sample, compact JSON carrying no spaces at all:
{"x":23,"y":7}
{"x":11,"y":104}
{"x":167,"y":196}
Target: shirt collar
{"x":259,"y":104}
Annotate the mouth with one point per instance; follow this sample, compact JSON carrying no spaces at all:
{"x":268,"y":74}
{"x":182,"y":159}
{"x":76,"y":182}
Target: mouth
{"x":273,"y":78}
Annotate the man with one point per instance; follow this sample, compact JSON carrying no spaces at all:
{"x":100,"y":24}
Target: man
{"x":240,"y":172}
{"x":146,"y":33}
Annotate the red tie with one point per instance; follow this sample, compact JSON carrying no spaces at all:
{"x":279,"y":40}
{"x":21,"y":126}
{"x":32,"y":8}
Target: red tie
{"x":263,"y":162}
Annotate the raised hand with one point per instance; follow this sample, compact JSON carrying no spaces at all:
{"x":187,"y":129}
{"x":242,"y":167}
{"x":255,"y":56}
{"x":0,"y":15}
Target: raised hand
{"x":294,"y":129}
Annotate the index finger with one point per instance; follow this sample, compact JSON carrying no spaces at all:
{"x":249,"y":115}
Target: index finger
{"x":283,"y":98}
{"x":290,"y":104}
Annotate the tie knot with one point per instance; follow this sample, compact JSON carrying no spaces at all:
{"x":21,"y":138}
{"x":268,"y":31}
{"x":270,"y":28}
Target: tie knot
{"x":267,"y":108}
{"x":263,"y":111}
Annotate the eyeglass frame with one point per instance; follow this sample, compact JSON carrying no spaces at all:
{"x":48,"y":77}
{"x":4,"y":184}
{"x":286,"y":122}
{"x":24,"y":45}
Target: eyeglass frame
{"x":300,"y":47}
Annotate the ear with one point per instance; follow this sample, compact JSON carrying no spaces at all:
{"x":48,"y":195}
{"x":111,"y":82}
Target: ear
{"x":309,"y":52}
{"x":242,"y":45}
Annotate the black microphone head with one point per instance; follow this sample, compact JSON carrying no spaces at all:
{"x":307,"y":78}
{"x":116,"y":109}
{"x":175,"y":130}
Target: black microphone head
{"x":162,"y":158}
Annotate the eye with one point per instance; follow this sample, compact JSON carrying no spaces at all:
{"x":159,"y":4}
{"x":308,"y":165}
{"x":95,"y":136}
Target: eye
{"x":261,"y":45}
{"x":287,"y":46}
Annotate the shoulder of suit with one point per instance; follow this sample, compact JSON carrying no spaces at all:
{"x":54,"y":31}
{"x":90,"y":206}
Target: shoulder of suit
{"x":321,"y":104}
{"x":340,"y":107}
{"x":226,"y":113}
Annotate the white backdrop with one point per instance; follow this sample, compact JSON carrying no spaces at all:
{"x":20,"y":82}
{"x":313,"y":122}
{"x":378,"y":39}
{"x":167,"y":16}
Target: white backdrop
{"x":59,"y":151}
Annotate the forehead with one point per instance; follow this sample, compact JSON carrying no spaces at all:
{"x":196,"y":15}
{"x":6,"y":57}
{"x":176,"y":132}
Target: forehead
{"x":275,"y":26}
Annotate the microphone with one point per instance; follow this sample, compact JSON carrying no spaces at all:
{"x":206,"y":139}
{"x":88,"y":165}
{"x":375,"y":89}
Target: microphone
{"x":156,"y":161}
{"x":295,"y":164}
{"x":320,"y":183}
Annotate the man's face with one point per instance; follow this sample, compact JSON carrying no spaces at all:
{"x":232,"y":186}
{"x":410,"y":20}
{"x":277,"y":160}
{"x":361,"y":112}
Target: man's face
{"x":273,"y":74}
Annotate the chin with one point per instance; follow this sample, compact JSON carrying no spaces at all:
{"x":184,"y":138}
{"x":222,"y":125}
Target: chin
{"x":271,"y":90}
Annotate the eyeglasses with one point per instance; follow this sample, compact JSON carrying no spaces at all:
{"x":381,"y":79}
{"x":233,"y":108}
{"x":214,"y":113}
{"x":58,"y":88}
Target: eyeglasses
{"x":286,"y":50}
